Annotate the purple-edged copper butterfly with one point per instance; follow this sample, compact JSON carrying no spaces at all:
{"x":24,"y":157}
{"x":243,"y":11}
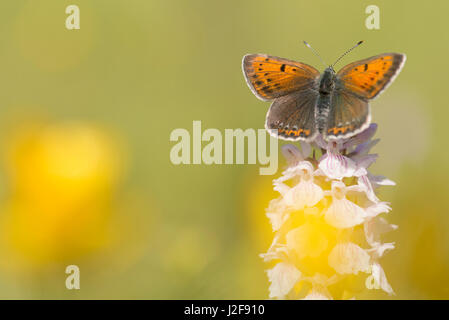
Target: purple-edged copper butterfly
{"x":305,"y":102}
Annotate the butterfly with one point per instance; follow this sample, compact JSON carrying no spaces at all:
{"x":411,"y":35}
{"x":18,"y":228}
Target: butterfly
{"x":307,"y":103}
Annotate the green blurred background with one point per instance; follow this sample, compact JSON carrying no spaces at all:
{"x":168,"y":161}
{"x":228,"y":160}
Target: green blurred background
{"x":86,"y":116}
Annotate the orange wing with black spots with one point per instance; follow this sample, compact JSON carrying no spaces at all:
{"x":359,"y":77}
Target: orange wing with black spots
{"x":271,"y":77}
{"x":367,"y":78}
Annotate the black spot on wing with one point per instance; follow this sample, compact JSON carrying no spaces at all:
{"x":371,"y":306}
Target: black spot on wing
{"x":267,"y":89}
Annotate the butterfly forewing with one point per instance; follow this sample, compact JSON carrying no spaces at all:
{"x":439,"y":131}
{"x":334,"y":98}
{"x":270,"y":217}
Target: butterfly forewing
{"x":367,"y":78}
{"x":272,"y":77}
{"x":292,"y":117}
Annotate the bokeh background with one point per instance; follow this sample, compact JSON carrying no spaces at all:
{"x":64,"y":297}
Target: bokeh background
{"x":85,"y":120}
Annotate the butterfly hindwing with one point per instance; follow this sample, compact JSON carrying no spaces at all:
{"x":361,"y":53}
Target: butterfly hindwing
{"x":292,"y":117}
{"x":367,"y":78}
{"x":348,"y":115}
{"x":271,"y":77}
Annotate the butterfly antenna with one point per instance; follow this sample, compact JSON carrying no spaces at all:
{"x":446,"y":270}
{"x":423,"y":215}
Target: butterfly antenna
{"x":310,"y":47}
{"x":357,"y":44}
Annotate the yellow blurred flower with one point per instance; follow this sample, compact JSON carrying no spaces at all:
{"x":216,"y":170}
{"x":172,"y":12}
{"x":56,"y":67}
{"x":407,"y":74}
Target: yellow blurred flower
{"x":62,"y":180}
{"x":307,"y":240}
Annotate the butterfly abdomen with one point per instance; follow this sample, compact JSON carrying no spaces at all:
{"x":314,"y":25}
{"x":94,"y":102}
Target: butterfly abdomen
{"x":322,"y":111}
